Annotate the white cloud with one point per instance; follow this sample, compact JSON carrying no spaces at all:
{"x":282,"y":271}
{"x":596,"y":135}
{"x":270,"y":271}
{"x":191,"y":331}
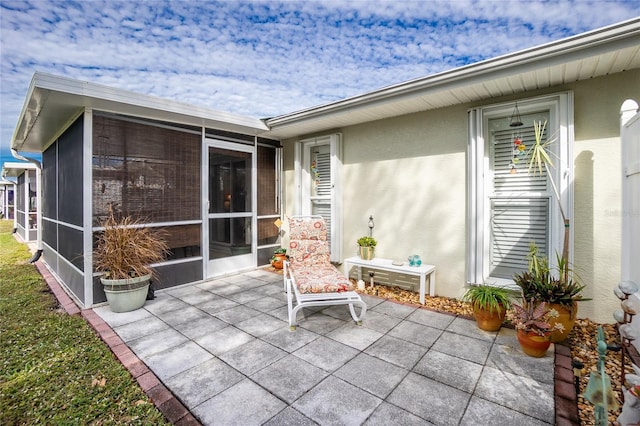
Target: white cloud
{"x":265,"y":58}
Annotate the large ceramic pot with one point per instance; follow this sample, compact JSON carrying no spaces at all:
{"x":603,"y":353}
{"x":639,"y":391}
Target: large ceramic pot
{"x":567,"y":318}
{"x":489,"y":320}
{"x":533,"y":344}
{"x":366,"y":253}
{"x":127,"y":294}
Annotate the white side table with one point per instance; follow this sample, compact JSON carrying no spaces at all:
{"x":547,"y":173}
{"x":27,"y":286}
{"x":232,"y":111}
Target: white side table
{"x":423,"y":271}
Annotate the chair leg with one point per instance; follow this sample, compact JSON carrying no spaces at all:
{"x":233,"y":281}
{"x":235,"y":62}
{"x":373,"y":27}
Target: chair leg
{"x":284,"y":278}
{"x":363,"y":311}
{"x":290,"y":309}
{"x":293,"y":316}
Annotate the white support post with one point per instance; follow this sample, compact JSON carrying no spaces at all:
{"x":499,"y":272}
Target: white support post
{"x":630,"y":189}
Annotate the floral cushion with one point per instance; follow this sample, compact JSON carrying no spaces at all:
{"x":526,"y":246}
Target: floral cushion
{"x":321,"y":279}
{"x":309,"y":253}
{"x":310,"y":258}
{"x":307,"y":229}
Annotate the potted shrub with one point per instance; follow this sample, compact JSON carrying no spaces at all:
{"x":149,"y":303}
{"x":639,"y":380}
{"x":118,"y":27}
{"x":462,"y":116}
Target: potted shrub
{"x":533,"y":327}
{"x":490,"y":305}
{"x":279,"y":256}
{"x":366,"y":247}
{"x":124,"y":251}
{"x":559,"y":290}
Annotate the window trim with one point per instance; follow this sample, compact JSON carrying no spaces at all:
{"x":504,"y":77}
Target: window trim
{"x":303,"y":183}
{"x":560,"y":108}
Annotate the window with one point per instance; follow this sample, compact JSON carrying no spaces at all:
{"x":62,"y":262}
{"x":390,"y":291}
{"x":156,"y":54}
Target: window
{"x":151,"y":173}
{"x":509,"y":207}
{"x":518,"y":200}
{"x":147,"y":171}
{"x":318,"y":173}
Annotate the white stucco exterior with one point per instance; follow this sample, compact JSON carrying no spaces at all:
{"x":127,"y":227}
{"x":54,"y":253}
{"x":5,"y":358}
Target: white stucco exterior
{"x":409,"y":172}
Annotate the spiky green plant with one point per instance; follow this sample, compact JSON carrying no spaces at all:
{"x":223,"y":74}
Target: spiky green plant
{"x":126,"y":248}
{"x":541,"y":159}
{"x":539,"y":284}
{"x":490,"y":298}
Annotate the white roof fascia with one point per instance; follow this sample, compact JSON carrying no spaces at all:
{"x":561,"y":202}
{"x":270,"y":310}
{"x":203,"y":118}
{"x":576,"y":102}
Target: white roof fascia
{"x":618,"y":36}
{"x":15,"y":169}
{"x":98,"y":91}
{"x":90,"y":95}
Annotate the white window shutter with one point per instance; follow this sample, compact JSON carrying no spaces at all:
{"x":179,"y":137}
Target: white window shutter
{"x":318,"y":172}
{"x":519,"y":205}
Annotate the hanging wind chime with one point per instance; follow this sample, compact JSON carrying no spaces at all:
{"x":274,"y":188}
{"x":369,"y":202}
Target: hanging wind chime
{"x":518,"y":148}
{"x":315,"y":174}
{"x":519,"y":151}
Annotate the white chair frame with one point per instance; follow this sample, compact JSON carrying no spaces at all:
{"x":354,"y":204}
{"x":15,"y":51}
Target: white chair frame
{"x":303,"y":300}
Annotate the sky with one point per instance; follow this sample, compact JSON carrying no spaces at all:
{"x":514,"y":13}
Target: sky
{"x":267,"y":58}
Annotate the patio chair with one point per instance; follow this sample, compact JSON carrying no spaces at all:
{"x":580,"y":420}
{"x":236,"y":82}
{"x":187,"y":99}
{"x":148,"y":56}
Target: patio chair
{"x":309,"y":276}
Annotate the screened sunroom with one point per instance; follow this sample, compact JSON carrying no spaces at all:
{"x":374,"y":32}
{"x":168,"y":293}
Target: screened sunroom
{"x":203,"y":178}
{"x":20,"y":201}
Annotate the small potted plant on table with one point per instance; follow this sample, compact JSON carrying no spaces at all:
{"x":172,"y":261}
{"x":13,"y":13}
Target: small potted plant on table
{"x":366,"y":247}
{"x":490,"y":305}
{"x":124,"y":250}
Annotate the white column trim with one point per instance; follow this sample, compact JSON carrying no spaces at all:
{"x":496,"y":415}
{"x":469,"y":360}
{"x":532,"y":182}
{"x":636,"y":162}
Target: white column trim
{"x":87,"y":205}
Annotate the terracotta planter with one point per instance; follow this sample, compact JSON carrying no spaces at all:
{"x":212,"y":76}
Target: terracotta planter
{"x":366,"y":253}
{"x":567,"y":318}
{"x":278,"y":259}
{"x":533,"y":344}
{"x":489,"y":321}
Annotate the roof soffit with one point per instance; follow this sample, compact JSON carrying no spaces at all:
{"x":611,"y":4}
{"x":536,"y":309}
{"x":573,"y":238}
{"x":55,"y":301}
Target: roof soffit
{"x":610,"y":50}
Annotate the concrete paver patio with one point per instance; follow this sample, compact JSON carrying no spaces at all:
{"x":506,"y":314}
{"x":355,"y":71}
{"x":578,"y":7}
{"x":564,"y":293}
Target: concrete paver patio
{"x":224,"y":348}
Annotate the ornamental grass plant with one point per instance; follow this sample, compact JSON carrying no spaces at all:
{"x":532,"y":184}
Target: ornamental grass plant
{"x":54,"y":369}
{"x":126,"y":248}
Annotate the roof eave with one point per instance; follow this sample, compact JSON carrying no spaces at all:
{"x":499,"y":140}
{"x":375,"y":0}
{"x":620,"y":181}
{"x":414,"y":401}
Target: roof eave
{"x":15,"y":169}
{"x":616,"y":36}
{"x":46,"y":90}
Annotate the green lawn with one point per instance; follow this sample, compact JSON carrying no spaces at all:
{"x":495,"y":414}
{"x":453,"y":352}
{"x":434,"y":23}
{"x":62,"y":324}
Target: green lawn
{"x":54,"y":369}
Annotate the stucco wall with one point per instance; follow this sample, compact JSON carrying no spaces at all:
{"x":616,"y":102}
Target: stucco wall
{"x":598,"y":175}
{"x":409,"y":172}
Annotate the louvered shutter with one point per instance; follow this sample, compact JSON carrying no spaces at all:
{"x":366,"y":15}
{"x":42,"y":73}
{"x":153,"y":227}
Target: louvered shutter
{"x":321,"y":184}
{"x":519,"y":205}
{"x":318,"y":168}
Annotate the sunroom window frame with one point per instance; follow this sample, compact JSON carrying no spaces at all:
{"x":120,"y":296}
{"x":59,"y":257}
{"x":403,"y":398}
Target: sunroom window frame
{"x":480,"y":180}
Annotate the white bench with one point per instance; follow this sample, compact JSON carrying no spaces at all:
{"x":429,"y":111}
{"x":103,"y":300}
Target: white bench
{"x":423,"y":271}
